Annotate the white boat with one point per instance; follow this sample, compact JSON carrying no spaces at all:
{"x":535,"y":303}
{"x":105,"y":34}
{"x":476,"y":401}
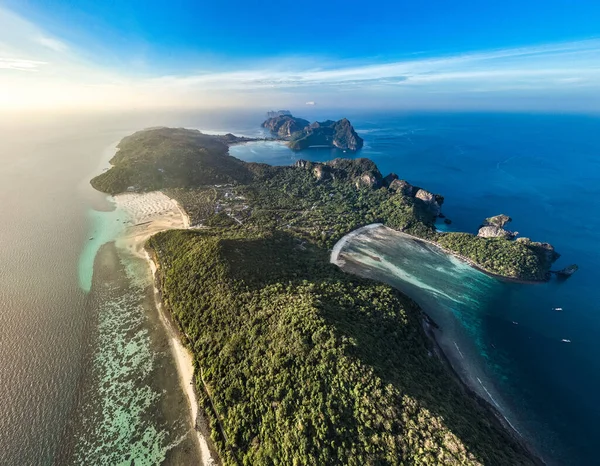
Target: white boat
{"x":557,"y":308}
{"x":565,"y":340}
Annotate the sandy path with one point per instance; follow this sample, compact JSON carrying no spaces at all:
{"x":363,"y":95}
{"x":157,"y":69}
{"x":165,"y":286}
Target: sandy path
{"x":148,"y":214}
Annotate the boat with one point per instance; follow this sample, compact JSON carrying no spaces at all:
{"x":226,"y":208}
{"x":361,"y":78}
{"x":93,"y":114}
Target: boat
{"x":516,"y":323}
{"x":91,"y":238}
{"x":564,"y":340}
{"x":557,"y":308}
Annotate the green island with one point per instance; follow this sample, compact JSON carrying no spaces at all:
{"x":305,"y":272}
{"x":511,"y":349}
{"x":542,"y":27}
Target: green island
{"x":301,"y":134}
{"x":297,"y":362}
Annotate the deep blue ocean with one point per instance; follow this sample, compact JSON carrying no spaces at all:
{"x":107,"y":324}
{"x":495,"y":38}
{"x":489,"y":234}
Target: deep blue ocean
{"x":544,"y":172}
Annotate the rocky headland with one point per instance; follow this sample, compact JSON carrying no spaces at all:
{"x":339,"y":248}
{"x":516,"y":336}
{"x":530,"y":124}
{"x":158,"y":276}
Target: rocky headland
{"x":285,"y":125}
{"x":566,"y":272}
{"x":363,"y":172}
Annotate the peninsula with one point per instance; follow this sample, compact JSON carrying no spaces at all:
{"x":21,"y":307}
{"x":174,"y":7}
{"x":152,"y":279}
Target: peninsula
{"x":297,"y":362}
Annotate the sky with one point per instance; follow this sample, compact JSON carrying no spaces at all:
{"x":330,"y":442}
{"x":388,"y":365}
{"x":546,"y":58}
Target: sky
{"x":461,"y":55}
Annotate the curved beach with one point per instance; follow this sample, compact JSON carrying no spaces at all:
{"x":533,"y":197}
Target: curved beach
{"x":357,"y":253}
{"x":335,"y":252}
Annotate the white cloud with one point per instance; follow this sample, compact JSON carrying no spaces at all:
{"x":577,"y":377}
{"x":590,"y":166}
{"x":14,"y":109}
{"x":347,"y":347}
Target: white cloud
{"x":545,"y":64}
{"x":52,"y":43}
{"x":20,"y":65}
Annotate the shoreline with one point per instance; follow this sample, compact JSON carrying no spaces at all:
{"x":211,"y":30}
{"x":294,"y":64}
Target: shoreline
{"x":336,"y":250}
{"x":475,"y":265}
{"x":151,"y":213}
{"x":185,"y":368}
{"x":430,"y":327}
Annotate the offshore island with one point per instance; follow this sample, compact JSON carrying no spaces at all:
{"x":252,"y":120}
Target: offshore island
{"x":295,"y":361}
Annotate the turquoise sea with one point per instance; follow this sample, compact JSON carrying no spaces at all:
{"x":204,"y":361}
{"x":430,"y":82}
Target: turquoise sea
{"x":85,"y":370}
{"x":86,"y":373}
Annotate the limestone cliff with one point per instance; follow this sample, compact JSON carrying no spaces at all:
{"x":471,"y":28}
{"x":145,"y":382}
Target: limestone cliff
{"x":544,"y":250}
{"x":498,"y":220}
{"x":362,"y":172}
{"x":302,"y":135}
{"x":432,"y":201}
{"x":285,"y":125}
{"x":491,"y":231}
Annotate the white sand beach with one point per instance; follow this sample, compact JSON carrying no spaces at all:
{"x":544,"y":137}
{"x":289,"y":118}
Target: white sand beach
{"x":334,"y":257}
{"x":148,"y":214}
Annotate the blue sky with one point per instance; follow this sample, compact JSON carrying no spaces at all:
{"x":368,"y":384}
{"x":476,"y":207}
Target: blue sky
{"x":525,"y":55}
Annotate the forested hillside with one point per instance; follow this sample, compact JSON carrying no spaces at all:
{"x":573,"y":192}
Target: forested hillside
{"x":170,"y":158}
{"x":298,"y":363}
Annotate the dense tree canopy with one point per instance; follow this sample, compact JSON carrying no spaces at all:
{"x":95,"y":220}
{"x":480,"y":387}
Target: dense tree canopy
{"x":170,"y":158}
{"x":300,"y":363}
{"x":499,"y":255}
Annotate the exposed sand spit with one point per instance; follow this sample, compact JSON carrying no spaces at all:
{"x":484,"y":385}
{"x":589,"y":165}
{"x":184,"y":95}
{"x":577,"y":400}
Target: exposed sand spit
{"x":148,"y":214}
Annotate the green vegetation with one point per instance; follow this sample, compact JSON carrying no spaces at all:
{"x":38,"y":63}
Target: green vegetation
{"x":170,"y":158}
{"x":317,"y":202}
{"x":298,"y":363}
{"x":504,"y":257}
{"x":292,"y":198}
{"x":339,"y":134}
{"x":301,"y":134}
{"x":198,"y":203}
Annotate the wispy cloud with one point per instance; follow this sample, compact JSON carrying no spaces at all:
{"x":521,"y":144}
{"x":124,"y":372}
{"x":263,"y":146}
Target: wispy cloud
{"x":52,"y":43}
{"x":574,"y":60}
{"x":19,"y":64}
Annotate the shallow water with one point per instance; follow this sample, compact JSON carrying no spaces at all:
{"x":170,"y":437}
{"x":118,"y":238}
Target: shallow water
{"x":457,"y":297}
{"x":130,"y":408}
{"x":43,"y":322}
{"x":86,"y":375}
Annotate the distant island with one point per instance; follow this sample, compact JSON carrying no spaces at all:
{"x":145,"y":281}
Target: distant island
{"x":296,"y":361}
{"x":301,"y":134}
